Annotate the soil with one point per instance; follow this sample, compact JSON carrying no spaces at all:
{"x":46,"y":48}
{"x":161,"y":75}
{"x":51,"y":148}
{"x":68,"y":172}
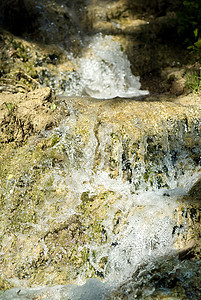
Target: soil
{"x":25,"y":114}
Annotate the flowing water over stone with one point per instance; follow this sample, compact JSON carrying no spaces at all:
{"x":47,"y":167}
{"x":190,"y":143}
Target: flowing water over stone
{"x":99,"y":196}
{"x":103,"y":72}
{"x":103,"y":205}
{"x":106,"y":73}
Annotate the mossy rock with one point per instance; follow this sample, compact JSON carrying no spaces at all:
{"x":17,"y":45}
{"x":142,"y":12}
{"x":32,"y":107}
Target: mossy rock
{"x":58,"y":218}
{"x":4,"y":284}
{"x":195,"y":191}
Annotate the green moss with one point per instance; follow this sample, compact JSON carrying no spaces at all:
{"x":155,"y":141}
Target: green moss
{"x":146,"y":176}
{"x":4,"y":284}
{"x":53,"y":140}
{"x":115,"y":137}
{"x":118,"y":217}
{"x":86,"y":199}
{"x":105,"y":195}
{"x":103,"y":262}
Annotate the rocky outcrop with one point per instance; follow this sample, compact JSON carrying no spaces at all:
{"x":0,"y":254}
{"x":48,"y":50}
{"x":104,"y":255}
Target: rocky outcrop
{"x":25,"y":114}
{"x":62,"y":191}
{"x":87,"y":185}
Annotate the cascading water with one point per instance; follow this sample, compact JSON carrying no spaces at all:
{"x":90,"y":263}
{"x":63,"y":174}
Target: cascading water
{"x":102,"y":72}
{"x":105,"y":71}
{"x":104,"y":192}
{"x":118,"y":204}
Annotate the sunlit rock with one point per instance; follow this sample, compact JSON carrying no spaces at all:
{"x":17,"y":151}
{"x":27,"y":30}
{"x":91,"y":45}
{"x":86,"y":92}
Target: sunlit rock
{"x":100,"y":193}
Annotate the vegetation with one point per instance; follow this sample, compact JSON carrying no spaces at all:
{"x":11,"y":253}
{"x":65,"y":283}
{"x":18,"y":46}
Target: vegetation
{"x":189,"y":15}
{"x":193,"y":80}
{"x":189,"y":29}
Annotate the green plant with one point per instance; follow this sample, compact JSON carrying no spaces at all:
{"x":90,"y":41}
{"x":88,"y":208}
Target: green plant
{"x":189,"y":16}
{"x":196,"y":47}
{"x":193,"y":81}
{"x":53,"y":106}
{"x":10,"y":107}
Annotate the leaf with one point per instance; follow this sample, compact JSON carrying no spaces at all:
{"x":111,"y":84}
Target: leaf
{"x":195,"y":33}
{"x":53,"y":106}
{"x":198,"y":44}
{"x":186,"y":3}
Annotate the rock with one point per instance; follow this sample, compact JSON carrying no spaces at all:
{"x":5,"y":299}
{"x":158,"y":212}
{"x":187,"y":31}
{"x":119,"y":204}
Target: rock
{"x":195,"y":191}
{"x":24,"y":114}
{"x":68,"y":194}
{"x":39,"y":65}
{"x":186,"y":250}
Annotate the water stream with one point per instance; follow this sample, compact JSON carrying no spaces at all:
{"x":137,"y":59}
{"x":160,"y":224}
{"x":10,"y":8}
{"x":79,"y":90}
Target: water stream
{"x":135,"y":213}
{"x":105,"y":71}
{"x":137,"y":178}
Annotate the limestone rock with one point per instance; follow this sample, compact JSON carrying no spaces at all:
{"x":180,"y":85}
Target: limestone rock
{"x":68,"y":194}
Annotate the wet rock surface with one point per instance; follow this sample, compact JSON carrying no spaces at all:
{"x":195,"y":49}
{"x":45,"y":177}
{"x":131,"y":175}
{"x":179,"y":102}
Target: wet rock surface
{"x":72,"y":168}
{"x":25,"y":114}
{"x":47,"y":225}
{"x":146,"y":34}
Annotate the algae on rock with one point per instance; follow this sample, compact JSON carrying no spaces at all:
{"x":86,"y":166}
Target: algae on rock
{"x":67,"y":194}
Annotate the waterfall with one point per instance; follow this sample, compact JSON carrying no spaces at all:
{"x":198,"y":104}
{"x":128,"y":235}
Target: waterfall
{"x":102,"y":71}
{"x":99,"y":207}
{"x":105,"y":71}
{"x":110,"y":190}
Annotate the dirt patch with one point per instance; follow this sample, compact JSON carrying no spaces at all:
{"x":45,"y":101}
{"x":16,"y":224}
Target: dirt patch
{"x":24,"y":114}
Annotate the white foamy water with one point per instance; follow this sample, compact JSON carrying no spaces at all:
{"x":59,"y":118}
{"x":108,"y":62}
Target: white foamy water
{"x":138,"y":222}
{"x":102,"y":71}
{"x":140,"y":235}
{"x":145,"y":235}
{"x":105,"y":71}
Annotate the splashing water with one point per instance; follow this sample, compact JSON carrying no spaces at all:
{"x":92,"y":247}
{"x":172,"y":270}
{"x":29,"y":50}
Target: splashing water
{"x":136,"y":233}
{"x":105,"y":71}
{"x":137,"y":227}
{"x":102,"y":72}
